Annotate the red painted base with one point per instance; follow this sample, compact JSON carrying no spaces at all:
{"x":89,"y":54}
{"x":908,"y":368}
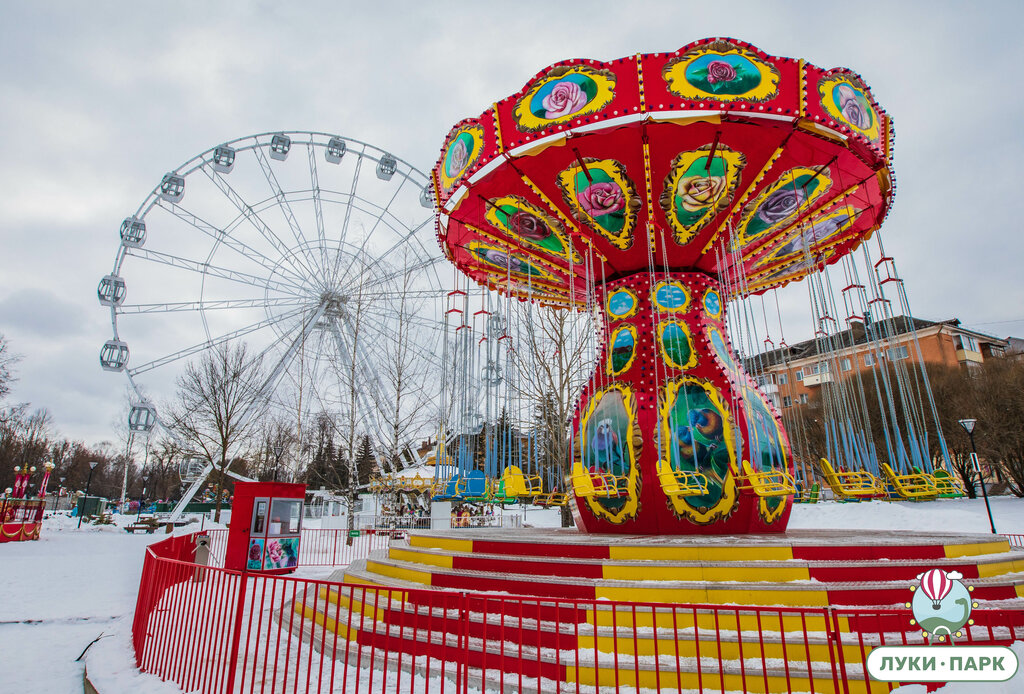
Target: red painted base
{"x":669,"y":416}
{"x":19,"y":532}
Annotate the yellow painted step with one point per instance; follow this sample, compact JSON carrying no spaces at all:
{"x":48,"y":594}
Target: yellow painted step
{"x":727,"y":648}
{"x":808,"y":597}
{"x":714,"y":574}
{"x":446,"y":543}
{"x":711,"y":680}
{"x":977,"y":548}
{"x":684,"y":618}
{"x":711,"y":554}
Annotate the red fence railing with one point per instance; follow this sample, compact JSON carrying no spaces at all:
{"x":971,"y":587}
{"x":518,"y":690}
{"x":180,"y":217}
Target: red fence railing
{"x":1015,"y":540}
{"x":217,"y":631}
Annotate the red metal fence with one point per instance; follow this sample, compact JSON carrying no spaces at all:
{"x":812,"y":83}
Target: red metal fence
{"x":1015,"y":540}
{"x":225,"y":632}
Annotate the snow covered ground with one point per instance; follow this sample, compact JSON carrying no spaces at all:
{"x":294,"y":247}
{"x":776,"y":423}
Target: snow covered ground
{"x":73,"y":585}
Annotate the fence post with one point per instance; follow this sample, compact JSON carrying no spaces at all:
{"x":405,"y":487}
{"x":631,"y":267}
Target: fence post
{"x":835,"y":646}
{"x":236,"y":632}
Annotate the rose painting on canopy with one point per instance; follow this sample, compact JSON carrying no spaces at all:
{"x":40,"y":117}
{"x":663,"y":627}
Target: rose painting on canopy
{"x":722,"y":71}
{"x":495,"y":257}
{"x":527,"y":223}
{"x":460,"y":152}
{"x":603,"y":197}
{"x":696,"y":427}
{"x":565,"y":93}
{"x":783,"y":201}
{"x":696,"y":190}
{"x":822,"y":231}
{"x":846,"y":99}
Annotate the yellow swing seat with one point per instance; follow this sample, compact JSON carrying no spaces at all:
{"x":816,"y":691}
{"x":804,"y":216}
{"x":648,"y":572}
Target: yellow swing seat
{"x":767,"y":482}
{"x":683,"y":483}
{"x":587,"y":483}
{"x":911,"y":486}
{"x":860,"y":483}
{"x":519,"y":484}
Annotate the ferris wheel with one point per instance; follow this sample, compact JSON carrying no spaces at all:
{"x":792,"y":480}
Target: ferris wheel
{"x":316,"y":250}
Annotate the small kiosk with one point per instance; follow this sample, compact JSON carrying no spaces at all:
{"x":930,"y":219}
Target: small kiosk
{"x":266,"y":526}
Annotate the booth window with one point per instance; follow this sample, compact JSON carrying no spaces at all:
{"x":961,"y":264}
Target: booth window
{"x":260,"y":518}
{"x":285,"y":516}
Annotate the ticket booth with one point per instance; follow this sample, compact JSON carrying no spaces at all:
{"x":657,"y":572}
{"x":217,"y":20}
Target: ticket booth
{"x":266,"y":527}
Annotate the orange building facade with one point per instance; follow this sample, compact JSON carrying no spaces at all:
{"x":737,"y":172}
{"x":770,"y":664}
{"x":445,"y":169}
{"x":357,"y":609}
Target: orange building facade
{"x":790,"y":375}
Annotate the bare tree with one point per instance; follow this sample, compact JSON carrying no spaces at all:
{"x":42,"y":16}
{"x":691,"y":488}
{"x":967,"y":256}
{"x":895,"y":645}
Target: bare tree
{"x":7,"y":361}
{"x":553,"y":361}
{"x":220,"y":403}
{"x":404,"y":372}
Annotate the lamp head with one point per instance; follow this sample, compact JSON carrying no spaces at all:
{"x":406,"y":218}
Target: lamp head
{"x":968,"y":425}
{"x":93,"y":464}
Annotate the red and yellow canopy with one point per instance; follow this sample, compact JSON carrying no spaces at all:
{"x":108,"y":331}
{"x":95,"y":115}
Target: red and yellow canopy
{"x":712,"y":158}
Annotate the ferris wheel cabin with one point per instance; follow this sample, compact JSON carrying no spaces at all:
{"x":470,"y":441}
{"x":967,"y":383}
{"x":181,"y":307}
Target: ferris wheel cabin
{"x":223,"y":159}
{"x":111,"y":290}
{"x":133,"y":232}
{"x":114,"y":355}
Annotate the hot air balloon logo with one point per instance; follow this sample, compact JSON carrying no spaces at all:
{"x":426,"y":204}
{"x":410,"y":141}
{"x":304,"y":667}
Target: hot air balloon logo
{"x":936,"y":585}
{"x":941,"y":604}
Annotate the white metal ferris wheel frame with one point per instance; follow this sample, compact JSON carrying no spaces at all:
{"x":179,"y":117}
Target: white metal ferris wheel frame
{"x":302,"y":259}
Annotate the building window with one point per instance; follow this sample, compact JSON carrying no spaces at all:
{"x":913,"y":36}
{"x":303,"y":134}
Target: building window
{"x":966,"y":342}
{"x":803,"y":398}
{"x":869,"y":359}
{"x":783,"y":379}
{"x":897,"y":353}
{"x":799,"y":374}
{"x":846,"y":365}
{"x":787,"y":401}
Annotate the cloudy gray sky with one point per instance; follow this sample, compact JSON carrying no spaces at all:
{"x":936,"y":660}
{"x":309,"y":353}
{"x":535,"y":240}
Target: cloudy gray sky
{"x":99,"y":99}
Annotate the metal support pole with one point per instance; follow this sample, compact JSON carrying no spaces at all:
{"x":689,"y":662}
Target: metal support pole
{"x":981,"y":479}
{"x":88,"y":483}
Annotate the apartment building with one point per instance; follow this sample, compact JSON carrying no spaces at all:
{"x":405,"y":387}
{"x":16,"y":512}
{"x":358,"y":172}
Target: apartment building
{"x":789,"y":375}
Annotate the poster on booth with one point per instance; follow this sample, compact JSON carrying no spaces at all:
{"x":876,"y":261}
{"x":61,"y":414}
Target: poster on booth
{"x":254,"y":558}
{"x":281,"y":553}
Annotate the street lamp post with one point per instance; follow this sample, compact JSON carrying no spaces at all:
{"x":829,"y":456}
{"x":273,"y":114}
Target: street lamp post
{"x":88,"y":483}
{"x":145,"y":478}
{"x":968,"y":425}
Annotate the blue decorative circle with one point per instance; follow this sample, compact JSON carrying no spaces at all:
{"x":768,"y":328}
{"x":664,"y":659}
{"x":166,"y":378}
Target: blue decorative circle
{"x":621,"y":302}
{"x":670,"y":296}
{"x":713,"y":303}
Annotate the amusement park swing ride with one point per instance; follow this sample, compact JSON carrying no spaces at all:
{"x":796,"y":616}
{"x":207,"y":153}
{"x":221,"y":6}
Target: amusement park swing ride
{"x":663,"y":195}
